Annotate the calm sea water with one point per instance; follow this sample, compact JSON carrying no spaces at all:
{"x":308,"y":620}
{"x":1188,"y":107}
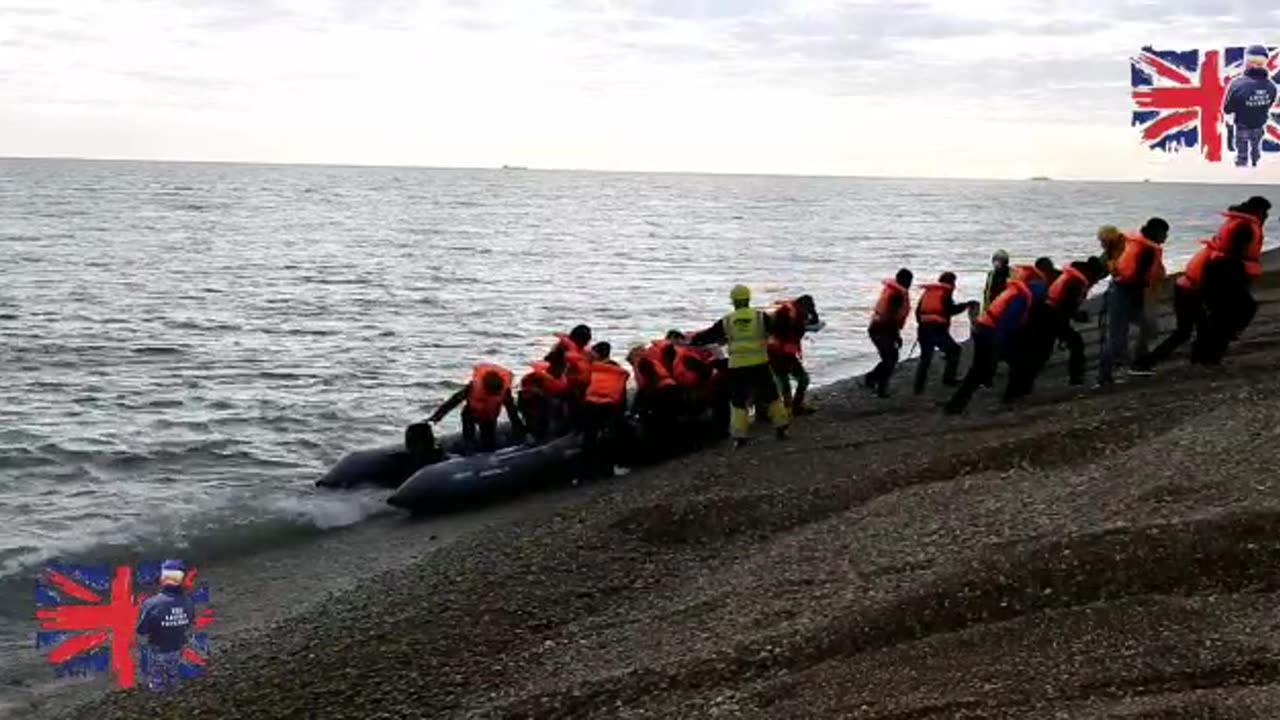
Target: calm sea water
{"x":184,"y":348}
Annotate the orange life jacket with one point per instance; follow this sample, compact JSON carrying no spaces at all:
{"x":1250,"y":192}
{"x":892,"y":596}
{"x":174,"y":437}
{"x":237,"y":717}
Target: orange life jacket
{"x":999,"y":306}
{"x":1194,"y":274}
{"x":577,"y":362}
{"x":608,"y":384}
{"x":932,"y":307}
{"x":483,"y":406}
{"x":658,"y":351}
{"x":1126,"y":270}
{"x":1068,"y":283}
{"x":1222,"y":240}
{"x":540,"y":379}
{"x":787,"y":341}
{"x":883,"y":315}
{"x":660,"y":372}
{"x":681,"y":372}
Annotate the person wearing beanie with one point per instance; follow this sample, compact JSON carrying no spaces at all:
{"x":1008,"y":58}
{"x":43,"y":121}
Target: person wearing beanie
{"x":164,"y":622}
{"x":996,"y":278}
{"x":1248,"y":100}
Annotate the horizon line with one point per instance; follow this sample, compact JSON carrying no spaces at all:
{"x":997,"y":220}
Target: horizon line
{"x":523,"y":168}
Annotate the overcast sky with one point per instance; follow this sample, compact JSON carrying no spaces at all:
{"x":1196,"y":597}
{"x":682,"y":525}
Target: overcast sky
{"x":955,"y":88}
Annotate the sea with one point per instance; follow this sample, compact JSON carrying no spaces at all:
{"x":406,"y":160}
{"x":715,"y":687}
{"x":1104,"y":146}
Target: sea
{"x":185,"y":348}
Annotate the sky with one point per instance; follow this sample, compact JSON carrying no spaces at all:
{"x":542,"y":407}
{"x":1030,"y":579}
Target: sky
{"x":958,"y":88}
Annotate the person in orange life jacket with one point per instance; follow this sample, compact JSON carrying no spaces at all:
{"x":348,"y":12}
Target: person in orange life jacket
{"x":1021,"y":351}
{"x":543,"y":397}
{"x":485,"y":397}
{"x":606,"y":407}
{"x":999,"y":331}
{"x":1112,"y":243}
{"x":657,"y":400}
{"x":933,"y":327}
{"x":1189,"y":311}
{"x":577,"y":353}
{"x":792,"y":320}
{"x":1228,"y":275}
{"x":1066,"y":294}
{"x":1139,"y":265}
{"x":701,"y":383}
{"x":885,"y":329}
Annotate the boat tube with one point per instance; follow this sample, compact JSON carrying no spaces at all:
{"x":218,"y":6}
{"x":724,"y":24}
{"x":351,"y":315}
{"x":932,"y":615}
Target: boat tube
{"x":520,"y":469}
{"x":485,"y":476}
{"x":390,"y":465}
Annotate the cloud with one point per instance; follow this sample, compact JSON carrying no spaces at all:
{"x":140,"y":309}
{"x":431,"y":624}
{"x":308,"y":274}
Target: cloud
{"x":596,"y":79}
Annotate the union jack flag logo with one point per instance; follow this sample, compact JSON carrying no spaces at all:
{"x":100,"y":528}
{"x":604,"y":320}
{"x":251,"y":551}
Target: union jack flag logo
{"x":1178,"y":96}
{"x":89,"y":615}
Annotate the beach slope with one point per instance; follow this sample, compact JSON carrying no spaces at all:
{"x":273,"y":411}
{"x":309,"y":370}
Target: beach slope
{"x":1087,"y":554}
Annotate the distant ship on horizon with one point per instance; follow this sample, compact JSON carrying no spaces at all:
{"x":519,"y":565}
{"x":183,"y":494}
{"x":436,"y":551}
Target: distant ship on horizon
{"x":1041,"y":178}
{"x":514,"y":167}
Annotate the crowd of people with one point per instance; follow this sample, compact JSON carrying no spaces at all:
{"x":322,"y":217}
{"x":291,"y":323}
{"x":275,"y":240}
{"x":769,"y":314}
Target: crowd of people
{"x":1025,"y":313}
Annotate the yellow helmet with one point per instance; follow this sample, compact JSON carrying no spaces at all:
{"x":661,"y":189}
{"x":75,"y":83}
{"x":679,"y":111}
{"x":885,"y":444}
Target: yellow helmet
{"x":740,"y":293}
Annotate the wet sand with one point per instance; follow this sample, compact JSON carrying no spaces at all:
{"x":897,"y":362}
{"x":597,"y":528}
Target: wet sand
{"x":1086,"y":554}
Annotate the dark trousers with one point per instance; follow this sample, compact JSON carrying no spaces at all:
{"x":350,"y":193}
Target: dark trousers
{"x":1124,"y":307}
{"x":754,"y":384}
{"x":1188,"y":307}
{"x":1024,"y":358}
{"x":981,"y":369}
{"x":1229,"y":308}
{"x":1248,"y":145}
{"x":600,"y":431}
{"x":787,"y":367}
{"x":887,"y":343}
{"x":487,"y":429}
{"x":1058,"y":328}
{"x":932,"y":337}
{"x":657,"y":409}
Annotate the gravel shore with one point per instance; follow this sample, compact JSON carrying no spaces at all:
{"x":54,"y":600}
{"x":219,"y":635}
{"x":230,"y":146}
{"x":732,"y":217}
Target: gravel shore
{"x":1086,"y":554}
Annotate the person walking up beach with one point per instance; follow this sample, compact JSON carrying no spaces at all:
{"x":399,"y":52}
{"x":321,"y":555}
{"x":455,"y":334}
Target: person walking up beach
{"x":933,"y":330}
{"x":887,"y":320}
{"x":1140,"y":264}
{"x":1235,"y":264}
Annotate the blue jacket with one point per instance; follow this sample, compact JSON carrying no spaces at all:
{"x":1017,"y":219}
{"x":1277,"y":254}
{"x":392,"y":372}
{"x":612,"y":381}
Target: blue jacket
{"x":1249,"y":98}
{"x":1017,"y":312}
{"x":165,"y":619}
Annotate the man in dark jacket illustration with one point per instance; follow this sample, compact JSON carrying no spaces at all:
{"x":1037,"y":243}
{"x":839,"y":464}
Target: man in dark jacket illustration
{"x":1249,"y":99}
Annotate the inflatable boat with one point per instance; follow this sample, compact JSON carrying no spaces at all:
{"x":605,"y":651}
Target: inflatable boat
{"x":516,"y":470}
{"x":444,"y":477}
{"x":486,"y":476}
{"x":390,"y":465}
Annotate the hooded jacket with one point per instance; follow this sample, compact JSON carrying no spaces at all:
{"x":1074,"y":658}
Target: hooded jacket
{"x":1249,"y":98}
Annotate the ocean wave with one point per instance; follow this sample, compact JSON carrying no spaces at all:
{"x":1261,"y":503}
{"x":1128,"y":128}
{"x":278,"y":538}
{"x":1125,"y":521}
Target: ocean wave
{"x":248,"y":525}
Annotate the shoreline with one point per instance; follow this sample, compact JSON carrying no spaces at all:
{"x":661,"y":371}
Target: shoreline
{"x":659,"y":592}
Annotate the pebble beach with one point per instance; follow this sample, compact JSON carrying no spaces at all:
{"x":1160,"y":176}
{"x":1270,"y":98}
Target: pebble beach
{"x":1086,"y":554}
